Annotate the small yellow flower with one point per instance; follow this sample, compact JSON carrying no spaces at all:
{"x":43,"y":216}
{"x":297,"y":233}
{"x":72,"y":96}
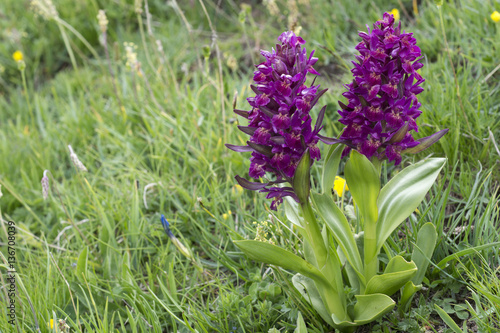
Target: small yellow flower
{"x":495,"y":16}
{"x":51,"y":324}
{"x":339,"y":185}
{"x":395,"y":13}
{"x":18,"y":56}
{"x":237,"y":189}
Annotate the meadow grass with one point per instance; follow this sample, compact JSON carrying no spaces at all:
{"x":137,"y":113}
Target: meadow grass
{"x":152,"y":138}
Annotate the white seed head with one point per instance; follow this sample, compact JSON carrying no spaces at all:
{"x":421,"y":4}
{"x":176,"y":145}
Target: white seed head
{"x":231,"y":62}
{"x":272,"y":7}
{"x":103,"y":20}
{"x":45,"y":185}
{"x":45,"y":8}
{"x":63,"y":325}
{"x":76,"y":161}
{"x":131,"y":55}
{"x":159,"y":45}
{"x":138,"y":6}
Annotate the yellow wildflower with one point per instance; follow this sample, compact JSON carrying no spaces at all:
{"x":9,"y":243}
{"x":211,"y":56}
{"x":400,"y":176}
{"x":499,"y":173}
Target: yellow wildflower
{"x":51,"y":324}
{"x":237,"y":189}
{"x":395,"y":13}
{"x":18,"y":56}
{"x":495,"y":16}
{"x":339,"y":185}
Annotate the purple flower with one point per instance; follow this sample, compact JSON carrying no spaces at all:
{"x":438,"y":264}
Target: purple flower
{"x":382,"y":103}
{"x":280,"y":125}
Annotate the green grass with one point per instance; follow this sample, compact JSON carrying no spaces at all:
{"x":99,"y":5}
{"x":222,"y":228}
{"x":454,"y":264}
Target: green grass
{"x":94,"y":253}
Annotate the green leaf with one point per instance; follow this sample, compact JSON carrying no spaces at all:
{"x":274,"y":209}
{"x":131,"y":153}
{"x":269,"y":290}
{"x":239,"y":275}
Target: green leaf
{"x":447,"y":319}
{"x":309,"y":253}
{"x":340,"y":229}
{"x":371,"y":307}
{"x":396,"y":274}
{"x":364,"y":185}
{"x":352,"y":276}
{"x":275,"y":255}
{"x":407,"y":293}
{"x":81,"y":264}
{"x":308,"y":290}
{"x":403,"y":193}
{"x":301,"y":325}
{"x":331,"y":167}
{"x":301,"y":180}
{"x":422,"y":253}
{"x":292,"y":212}
{"x":367,"y":309}
{"x":438,"y":2}
{"x":456,"y":255}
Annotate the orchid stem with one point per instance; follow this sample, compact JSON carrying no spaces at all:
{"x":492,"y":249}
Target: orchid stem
{"x":314,"y":234}
{"x":370,"y":237}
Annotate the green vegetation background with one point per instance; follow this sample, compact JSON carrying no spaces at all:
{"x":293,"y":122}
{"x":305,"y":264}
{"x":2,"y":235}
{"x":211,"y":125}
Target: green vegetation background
{"x":94,"y":253}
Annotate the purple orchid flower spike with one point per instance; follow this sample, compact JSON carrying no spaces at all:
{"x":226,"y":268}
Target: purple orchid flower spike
{"x":382,"y":104}
{"x":280,"y":125}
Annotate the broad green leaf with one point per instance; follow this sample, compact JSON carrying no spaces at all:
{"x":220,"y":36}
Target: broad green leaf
{"x":292,"y":212}
{"x":371,"y":307}
{"x":422,"y":253}
{"x":403,"y":193}
{"x":331,"y":167}
{"x":352,"y":276}
{"x":274,"y":255}
{"x":309,"y":253}
{"x":308,"y":290}
{"x":447,"y":319}
{"x":364,"y":185}
{"x":81,"y":264}
{"x":339,"y":227}
{"x":301,"y":325}
{"x":333,"y":270}
{"x":407,"y":293}
{"x":396,"y":274}
{"x":301,"y":180}
{"x":367,"y":309}
{"x":456,"y":255}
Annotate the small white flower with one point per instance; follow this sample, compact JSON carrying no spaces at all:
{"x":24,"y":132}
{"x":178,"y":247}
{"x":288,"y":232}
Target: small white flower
{"x":45,"y":8}
{"x":131,"y":55}
{"x":76,"y":161}
{"x":45,"y":185}
{"x":103,"y":20}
